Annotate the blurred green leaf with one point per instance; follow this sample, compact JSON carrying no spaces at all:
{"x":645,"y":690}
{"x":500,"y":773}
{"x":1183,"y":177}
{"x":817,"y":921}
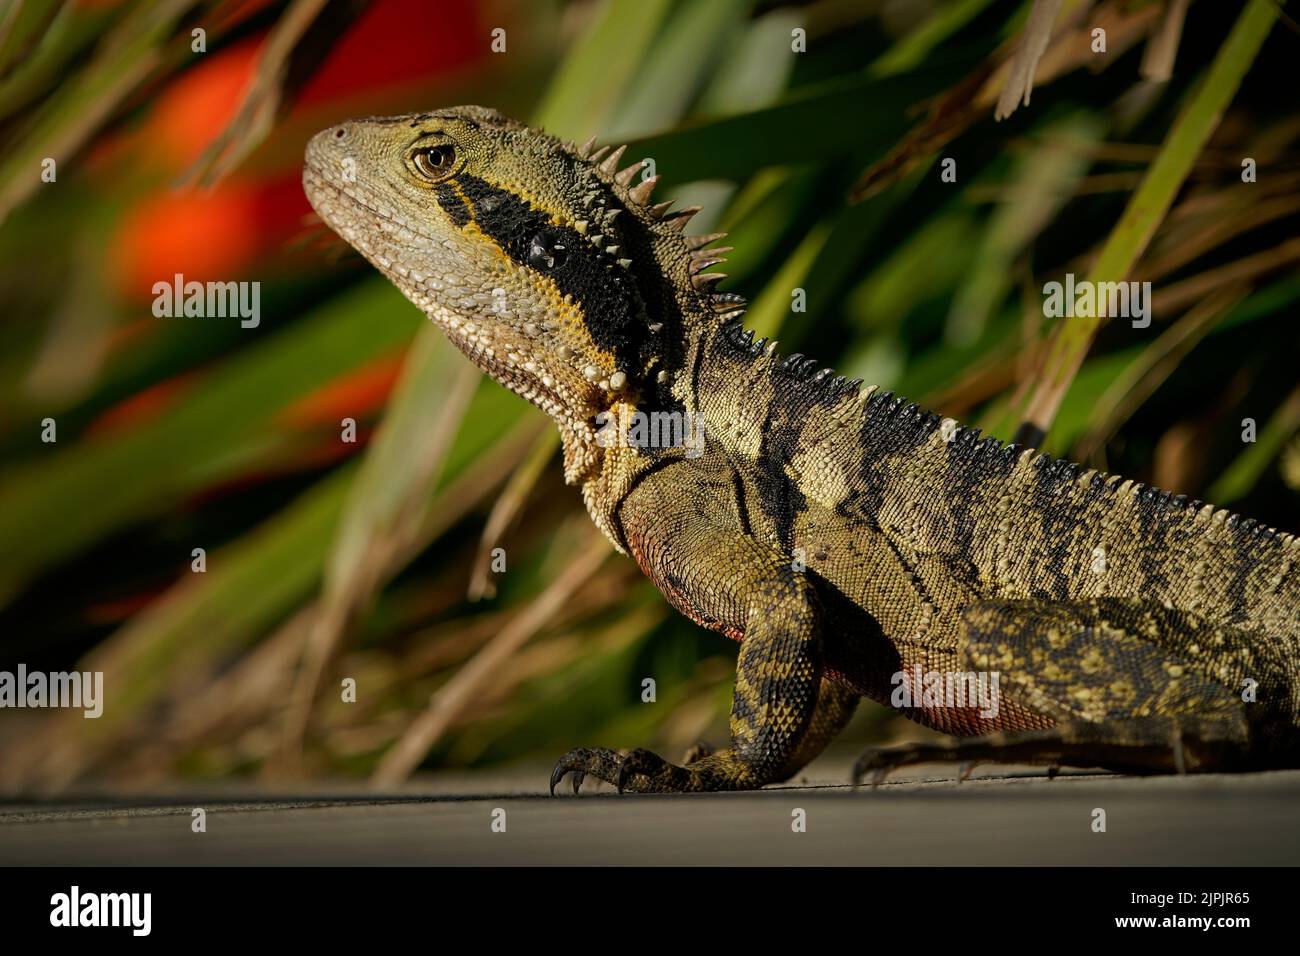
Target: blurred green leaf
{"x":1147,"y":209}
{"x":76,"y":110}
{"x":860,"y":115}
{"x":581,"y":98}
{"x":111,"y":481}
{"x":1247,"y":467}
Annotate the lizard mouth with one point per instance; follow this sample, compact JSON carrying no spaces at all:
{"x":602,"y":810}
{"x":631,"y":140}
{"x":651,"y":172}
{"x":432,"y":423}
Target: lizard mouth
{"x":326,"y":196}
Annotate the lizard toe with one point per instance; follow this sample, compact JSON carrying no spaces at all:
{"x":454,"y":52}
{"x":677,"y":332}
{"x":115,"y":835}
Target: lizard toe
{"x":880,"y":761}
{"x":643,"y":771}
{"x":599,"y":762}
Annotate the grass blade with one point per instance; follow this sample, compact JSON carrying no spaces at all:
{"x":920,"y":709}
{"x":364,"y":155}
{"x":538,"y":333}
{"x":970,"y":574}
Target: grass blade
{"x":1146,"y":210}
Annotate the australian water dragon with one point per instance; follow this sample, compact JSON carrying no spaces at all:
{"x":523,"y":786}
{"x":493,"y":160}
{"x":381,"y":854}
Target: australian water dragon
{"x":848,"y":539}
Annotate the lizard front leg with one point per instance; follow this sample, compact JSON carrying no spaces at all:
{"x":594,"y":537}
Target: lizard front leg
{"x":775,"y":720}
{"x":835,"y":706}
{"x":836,"y":703}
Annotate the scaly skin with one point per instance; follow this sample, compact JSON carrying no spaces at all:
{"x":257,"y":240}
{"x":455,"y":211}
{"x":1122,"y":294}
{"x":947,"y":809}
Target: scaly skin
{"x":843,"y":536}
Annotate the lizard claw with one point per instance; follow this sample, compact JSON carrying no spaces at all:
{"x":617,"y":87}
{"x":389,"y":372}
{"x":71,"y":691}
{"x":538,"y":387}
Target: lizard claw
{"x":1180,"y":761}
{"x":874,"y":759}
{"x":638,"y":771}
{"x":600,"y":762}
{"x":884,"y":760}
{"x":643,"y":771}
{"x":559,"y":774}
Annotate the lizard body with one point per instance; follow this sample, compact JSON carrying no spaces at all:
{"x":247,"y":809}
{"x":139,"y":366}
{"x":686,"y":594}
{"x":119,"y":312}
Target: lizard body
{"x":852,"y":542}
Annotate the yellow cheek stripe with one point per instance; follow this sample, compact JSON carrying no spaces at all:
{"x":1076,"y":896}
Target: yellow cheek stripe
{"x":469,"y":205}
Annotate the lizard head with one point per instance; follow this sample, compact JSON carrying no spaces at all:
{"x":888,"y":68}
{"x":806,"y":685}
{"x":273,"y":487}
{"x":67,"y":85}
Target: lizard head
{"x":540,"y":260}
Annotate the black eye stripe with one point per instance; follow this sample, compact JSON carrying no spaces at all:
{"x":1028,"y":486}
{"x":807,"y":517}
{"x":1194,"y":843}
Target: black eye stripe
{"x":611,"y":305}
{"x":449,"y":199}
{"x":548,"y":250}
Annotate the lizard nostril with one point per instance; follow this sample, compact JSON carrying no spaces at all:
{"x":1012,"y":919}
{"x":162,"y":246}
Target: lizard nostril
{"x":340,"y":133}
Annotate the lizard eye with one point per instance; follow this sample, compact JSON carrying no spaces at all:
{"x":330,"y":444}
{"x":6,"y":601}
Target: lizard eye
{"x":547,"y":251}
{"x":435,"y":162}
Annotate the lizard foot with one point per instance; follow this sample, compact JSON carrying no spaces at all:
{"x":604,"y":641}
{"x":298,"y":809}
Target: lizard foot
{"x":641,"y":771}
{"x":1136,"y":745}
{"x":601,"y":762}
{"x":881,"y":761}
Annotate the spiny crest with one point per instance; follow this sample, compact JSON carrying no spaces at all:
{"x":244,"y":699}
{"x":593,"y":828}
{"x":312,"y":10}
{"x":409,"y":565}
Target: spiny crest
{"x":911,"y":423}
{"x":604,"y":163}
{"x":897,"y":414}
{"x":806,"y":373}
{"x":821,"y":384}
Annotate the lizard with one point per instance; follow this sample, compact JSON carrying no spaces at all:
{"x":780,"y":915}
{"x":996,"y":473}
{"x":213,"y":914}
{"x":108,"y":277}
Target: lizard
{"x":853,"y":543}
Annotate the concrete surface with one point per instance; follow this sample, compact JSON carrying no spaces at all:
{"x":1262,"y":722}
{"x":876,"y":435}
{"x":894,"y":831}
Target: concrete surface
{"x":920,"y":818}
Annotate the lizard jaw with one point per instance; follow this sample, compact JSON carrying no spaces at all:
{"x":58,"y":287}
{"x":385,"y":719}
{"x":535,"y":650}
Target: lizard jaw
{"x":509,"y":362}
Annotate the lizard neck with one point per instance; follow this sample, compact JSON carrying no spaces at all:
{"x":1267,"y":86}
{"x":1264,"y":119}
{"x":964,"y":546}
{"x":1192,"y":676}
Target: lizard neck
{"x":607,"y":462}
